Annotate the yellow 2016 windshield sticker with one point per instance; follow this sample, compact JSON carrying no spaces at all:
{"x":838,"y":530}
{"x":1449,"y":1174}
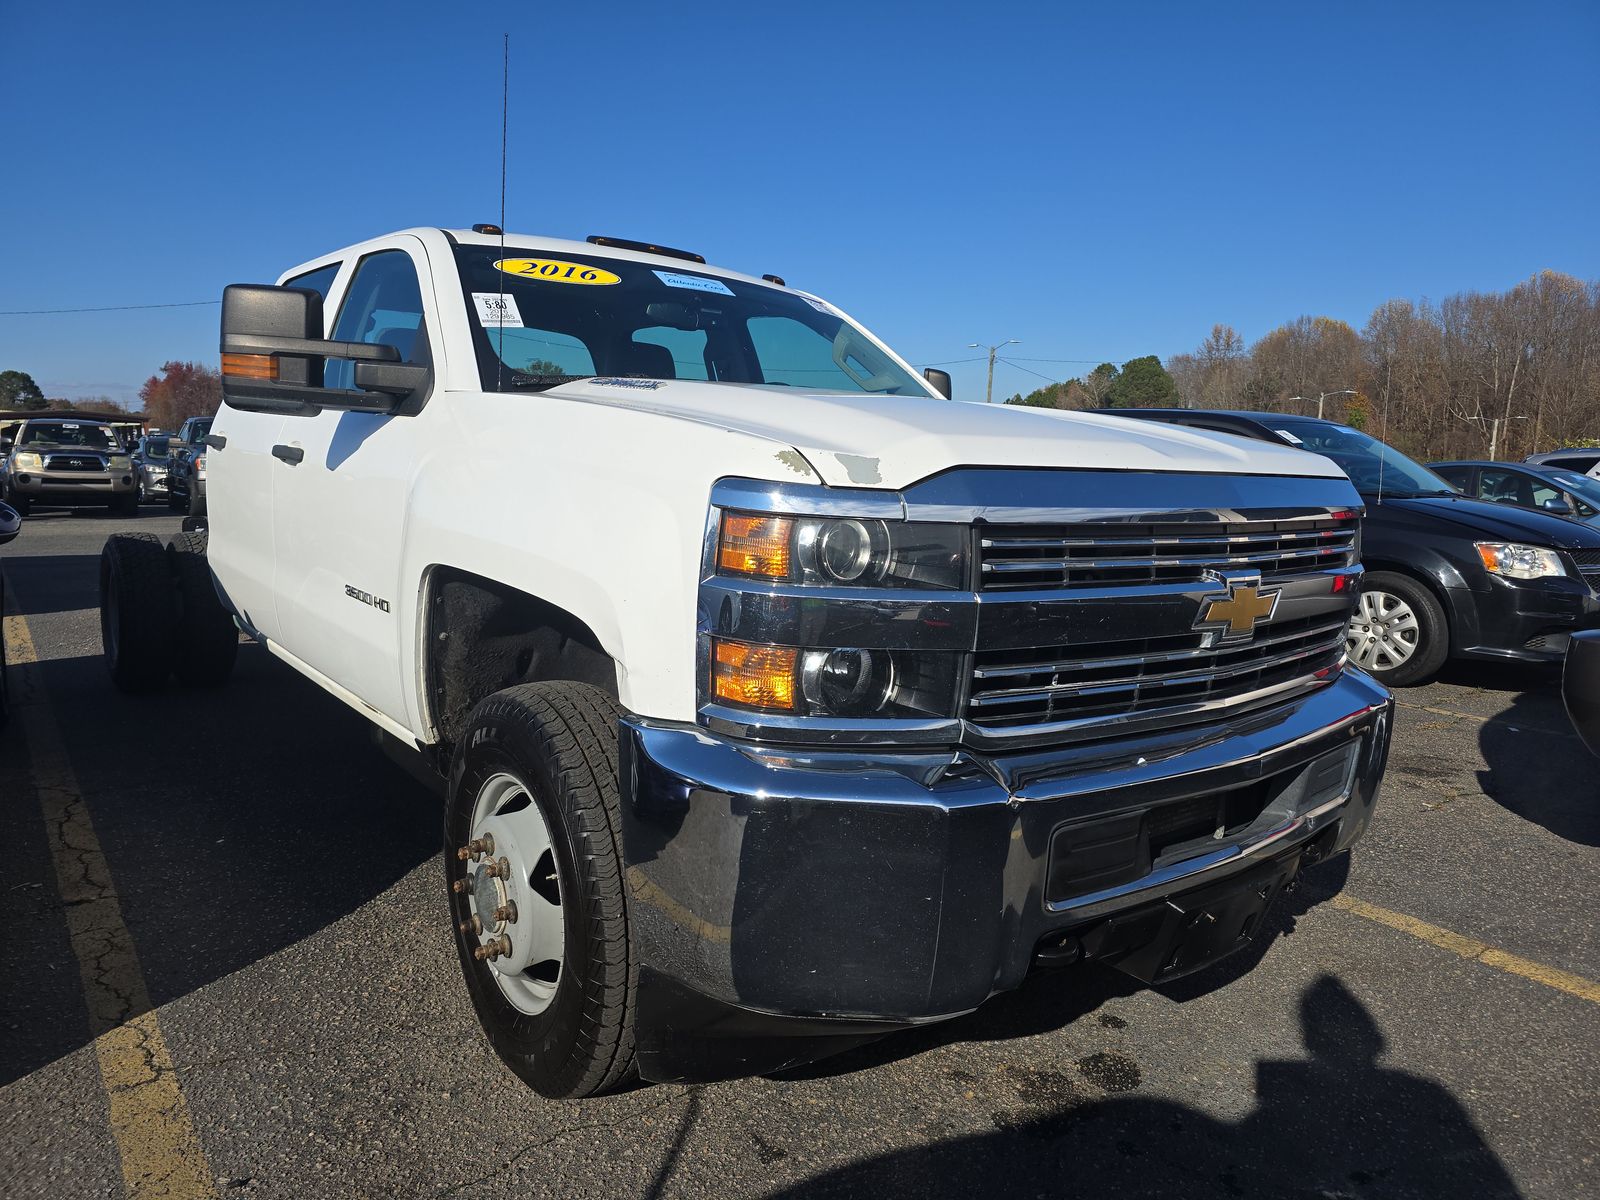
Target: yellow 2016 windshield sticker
{"x":555,"y":270}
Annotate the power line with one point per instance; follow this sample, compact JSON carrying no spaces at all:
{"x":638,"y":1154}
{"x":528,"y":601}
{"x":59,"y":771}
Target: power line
{"x":1096,"y":361}
{"x":36,"y":312}
{"x":952,"y":362}
{"x":1029,"y":370}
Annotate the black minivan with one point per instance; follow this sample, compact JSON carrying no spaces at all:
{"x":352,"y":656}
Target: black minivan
{"x":1446,"y":576}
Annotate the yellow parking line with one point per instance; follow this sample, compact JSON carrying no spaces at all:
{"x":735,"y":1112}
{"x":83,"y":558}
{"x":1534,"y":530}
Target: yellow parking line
{"x":1473,"y":950}
{"x":156,"y":1142}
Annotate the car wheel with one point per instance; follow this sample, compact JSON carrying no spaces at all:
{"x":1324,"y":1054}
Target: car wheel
{"x":174,"y":501}
{"x":534,"y":863}
{"x":205,"y":641}
{"x":1398,"y":632}
{"x":136,"y":610}
{"x":197,"y":504}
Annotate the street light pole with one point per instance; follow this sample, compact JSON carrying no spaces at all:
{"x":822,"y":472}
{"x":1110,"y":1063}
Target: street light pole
{"x":988,"y":392}
{"x":1321,"y":396}
{"x":1494,"y":433}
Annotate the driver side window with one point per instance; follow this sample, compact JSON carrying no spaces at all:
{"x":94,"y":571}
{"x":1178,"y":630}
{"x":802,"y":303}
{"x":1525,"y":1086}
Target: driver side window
{"x":382,"y":306}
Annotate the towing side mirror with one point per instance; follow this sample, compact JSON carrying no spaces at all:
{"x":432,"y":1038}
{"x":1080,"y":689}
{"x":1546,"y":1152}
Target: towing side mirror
{"x":10,"y":523}
{"x":939,"y":379}
{"x":273,"y":354}
{"x":1580,"y":686}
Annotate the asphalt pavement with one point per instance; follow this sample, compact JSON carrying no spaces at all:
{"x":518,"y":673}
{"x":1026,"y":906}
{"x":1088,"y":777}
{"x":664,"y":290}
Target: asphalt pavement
{"x":226,"y":968}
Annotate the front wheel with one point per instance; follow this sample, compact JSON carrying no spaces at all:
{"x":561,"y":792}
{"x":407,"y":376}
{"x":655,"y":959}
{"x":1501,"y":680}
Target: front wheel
{"x":533,"y":858}
{"x":1398,"y":632}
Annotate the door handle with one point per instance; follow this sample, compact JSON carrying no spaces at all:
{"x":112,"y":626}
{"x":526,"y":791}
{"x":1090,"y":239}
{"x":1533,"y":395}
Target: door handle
{"x":289,"y":454}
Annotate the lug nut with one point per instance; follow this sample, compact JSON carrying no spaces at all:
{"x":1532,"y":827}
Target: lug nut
{"x":498,"y":869}
{"x":493,"y":949}
{"x":459,"y":886}
{"x":476,"y":847}
{"x":473,"y":926}
{"x":507,"y":912}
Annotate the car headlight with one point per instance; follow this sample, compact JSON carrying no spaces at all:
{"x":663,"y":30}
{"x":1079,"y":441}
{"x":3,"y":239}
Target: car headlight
{"x":840,"y":681}
{"x":26,"y":460}
{"x":118,"y":462}
{"x":848,"y":552}
{"x":1516,"y":561}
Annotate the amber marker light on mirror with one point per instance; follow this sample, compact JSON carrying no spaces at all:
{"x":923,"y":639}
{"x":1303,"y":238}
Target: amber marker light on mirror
{"x":250,"y":366}
{"x":755,"y":545}
{"x":754,"y":676}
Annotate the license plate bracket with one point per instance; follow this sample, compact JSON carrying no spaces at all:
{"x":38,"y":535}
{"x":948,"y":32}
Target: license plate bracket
{"x":1192,"y":930}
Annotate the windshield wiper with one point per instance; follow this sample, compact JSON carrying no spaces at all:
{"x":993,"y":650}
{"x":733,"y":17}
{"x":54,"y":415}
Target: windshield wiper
{"x":521,"y":379}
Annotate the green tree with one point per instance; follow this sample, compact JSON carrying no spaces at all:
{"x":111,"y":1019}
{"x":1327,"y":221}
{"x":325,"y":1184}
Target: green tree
{"x":1142,"y":383}
{"x":18,"y":390}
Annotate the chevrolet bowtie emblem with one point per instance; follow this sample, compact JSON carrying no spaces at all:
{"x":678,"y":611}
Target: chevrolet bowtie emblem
{"x":1245,"y":605}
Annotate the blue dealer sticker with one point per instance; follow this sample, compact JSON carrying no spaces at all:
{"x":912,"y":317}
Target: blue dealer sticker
{"x":695,"y":283}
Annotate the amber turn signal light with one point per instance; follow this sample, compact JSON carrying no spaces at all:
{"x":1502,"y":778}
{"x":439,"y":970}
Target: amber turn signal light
{"x":754,"y":676}
{"x":250,"y":366}
{"x":755,"y":545}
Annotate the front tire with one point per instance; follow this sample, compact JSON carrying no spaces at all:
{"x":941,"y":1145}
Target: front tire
{"x":543,"y":756}
{"x":136,"y":611}
{"x":1398,"y":632}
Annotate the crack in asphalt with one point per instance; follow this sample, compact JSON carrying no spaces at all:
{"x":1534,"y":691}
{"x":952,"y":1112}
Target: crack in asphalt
{"x":540,"y":1143}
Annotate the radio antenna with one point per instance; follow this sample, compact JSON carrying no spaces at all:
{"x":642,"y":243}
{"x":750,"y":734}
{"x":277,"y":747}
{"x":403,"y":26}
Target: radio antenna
{"x":505,"y":93}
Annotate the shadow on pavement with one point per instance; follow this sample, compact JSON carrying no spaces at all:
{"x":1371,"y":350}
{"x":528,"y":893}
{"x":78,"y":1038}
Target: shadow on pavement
{"x":1539,"y":770}
{"x":1334,"y":1124}
{"x":235,"y":822}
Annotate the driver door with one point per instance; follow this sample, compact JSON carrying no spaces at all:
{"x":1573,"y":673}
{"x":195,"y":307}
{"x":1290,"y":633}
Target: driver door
{"x":342,"y":481}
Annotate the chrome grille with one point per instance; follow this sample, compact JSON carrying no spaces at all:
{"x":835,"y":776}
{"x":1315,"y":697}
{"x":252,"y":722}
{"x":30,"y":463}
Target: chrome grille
{"x":73,"y":462}
{"x":1103,"y":680}
{"x":1055,"y":556}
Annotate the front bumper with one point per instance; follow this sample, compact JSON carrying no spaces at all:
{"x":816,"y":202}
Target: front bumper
{"x":1527,"y":620}
{"x":73,"y":487}
{"x":787,"y":903}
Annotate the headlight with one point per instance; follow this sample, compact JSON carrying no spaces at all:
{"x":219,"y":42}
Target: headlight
{"x":836,"y":682}
{"x":1516,"y":561}
{"x":118,"y":462}
{"x":26,"y":460}
{"x":834,"y":551}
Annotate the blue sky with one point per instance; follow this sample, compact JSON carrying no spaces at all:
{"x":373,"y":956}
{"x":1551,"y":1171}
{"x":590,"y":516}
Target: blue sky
{"x":1100,"y":181}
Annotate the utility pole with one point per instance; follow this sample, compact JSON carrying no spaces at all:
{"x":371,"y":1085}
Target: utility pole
{"x":988,"y":392}
{"x":1321,"y":396}
{"x":1494,"y":432}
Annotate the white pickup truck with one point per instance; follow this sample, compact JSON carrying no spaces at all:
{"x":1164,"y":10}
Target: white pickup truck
{"x":782,"y":702}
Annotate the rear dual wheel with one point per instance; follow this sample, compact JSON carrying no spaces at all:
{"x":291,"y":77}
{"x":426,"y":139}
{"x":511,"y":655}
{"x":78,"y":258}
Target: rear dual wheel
{"x":160,"y":614}
{"x":534,"y":864}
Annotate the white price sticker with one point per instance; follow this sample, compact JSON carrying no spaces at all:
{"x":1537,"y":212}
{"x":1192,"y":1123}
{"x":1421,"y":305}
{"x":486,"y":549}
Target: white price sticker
{"x":497,"y":310}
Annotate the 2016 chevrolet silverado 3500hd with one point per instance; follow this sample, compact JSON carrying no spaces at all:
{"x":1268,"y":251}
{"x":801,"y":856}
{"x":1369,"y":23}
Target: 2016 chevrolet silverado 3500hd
{"x":782,"y":702}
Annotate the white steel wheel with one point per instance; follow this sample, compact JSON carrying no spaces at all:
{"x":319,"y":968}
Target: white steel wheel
{"x":514,"y":894}
{"x":1384,"y":632}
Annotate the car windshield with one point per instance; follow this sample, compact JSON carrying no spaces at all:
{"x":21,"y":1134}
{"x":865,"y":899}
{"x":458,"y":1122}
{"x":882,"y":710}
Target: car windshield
{"x":69,"y":433}
{"x":155,"y":447}
{"x":540,"y":319}
{"x":1371,"y":465}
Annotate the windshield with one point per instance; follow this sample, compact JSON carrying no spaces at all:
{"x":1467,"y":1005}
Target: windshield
{"x":1371,"y":465}
{"x":155,"y":447}
{"x":540,"y":321}
{"x":69,"y":433}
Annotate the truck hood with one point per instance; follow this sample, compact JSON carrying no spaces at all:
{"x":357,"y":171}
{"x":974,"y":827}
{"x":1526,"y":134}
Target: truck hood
{"x":894,"y":441}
